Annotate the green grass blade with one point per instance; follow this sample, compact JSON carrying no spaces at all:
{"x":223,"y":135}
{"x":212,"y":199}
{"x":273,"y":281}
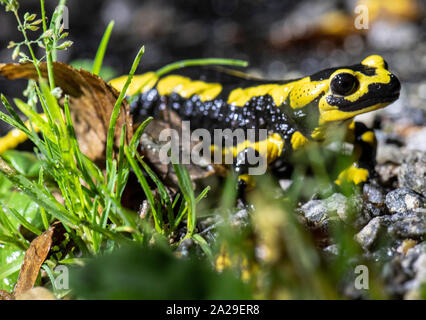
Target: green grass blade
{"x":19,"y":244}
{"x":134,"y":143}
{"x":10,"y":268}
{"x":204,"y":246}
{"x":35,"y":118}
{"x":21,"y":219}
{"x":185,"y":185}
{"x":54,"y":110}
{"x":33,"y":191}
{"x":199,"y":62}
{"x":158,"y":221}
{"x":11,"y":111}
{"x":183,"y":210}
{"x":164,"y":195}
{"x":100,"y":54}
{"x":116,"y":110}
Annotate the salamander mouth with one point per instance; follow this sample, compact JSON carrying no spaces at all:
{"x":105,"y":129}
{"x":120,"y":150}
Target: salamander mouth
{"x":369,"y":102}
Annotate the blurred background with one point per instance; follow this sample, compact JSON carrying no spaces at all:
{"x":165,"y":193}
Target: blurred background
{"x":279,"y":38}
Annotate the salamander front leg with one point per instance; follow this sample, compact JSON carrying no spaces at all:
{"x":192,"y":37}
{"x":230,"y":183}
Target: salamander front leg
{"x":241,"y":166}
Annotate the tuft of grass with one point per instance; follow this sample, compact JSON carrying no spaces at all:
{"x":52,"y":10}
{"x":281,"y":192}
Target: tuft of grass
{"x":90,"y":208}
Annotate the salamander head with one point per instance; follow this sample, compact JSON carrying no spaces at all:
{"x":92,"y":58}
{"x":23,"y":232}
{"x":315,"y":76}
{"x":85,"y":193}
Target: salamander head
{"x":349,"y":91}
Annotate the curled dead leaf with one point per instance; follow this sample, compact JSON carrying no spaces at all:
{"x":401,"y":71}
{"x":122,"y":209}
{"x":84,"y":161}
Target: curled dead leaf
{"x":34,"y":258}
{"x":91,"y":103}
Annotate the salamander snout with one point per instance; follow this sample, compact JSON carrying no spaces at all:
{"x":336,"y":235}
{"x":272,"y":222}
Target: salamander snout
{"x":394,"y":85}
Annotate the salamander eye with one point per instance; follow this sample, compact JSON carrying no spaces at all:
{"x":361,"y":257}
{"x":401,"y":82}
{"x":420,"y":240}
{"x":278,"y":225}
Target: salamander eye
{"x":344,"y":84}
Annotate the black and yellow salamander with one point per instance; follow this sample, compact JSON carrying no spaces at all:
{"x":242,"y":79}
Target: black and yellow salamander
{"x":294,"y":112}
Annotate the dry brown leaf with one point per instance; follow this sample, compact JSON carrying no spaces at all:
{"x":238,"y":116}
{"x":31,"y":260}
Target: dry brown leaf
{"x":91,"y":103}
{"x":34,"y":257}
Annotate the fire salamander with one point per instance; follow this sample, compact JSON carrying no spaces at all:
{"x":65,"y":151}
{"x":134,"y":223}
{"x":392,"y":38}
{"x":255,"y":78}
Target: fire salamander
{"x":294,"y":112}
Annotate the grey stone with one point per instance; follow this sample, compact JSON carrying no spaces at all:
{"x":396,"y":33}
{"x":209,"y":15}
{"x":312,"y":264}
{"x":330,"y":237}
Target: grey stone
{"x":315,"y":211}
{"x":402,"y":199}
{"x":412,"y":225}
{"x":412,"y":172}
{"x":184,"y":247}
{"x":337,"y":205}
{"x":332,"y":249}
{"x":414,"y":264}
{"x":373,"y":194}
{"x":388,"y":153}
{"x":411,"y":257}
{"x":370,"y":233}
{"x":416,"y":141}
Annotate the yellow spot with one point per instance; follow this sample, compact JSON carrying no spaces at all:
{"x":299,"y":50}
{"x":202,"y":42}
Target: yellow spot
{"x":406,"y":245}
{"x":223,"y":260}
{"x":270,"y":149}
{"x":301,"y":92}
{"x":15,"y":137}
{"x":374,"y":61}
{"x":319,"y":133}
{"x":352,"y":174}
{"x":352,"y":126}
{"x":246,"y":273}
{"x":369,"y":137}
{"x":298,"y":140}
{"x":186,"y":87}
{"x":248,"y":180}
{"x":140,"y":83}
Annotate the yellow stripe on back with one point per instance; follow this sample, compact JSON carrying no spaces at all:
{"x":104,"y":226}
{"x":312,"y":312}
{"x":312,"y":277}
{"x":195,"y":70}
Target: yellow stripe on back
{"x":186,"y":87}
{"x":302,"y":92}
{"x":140,"y":83}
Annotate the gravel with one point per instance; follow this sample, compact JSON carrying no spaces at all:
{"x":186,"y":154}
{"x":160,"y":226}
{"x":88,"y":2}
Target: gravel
{"x":403,"y":199}
{"x":319,"y":212}
{"x":369,"y":235}
{"x":412,"y":172}
{"x":412,"y":225}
